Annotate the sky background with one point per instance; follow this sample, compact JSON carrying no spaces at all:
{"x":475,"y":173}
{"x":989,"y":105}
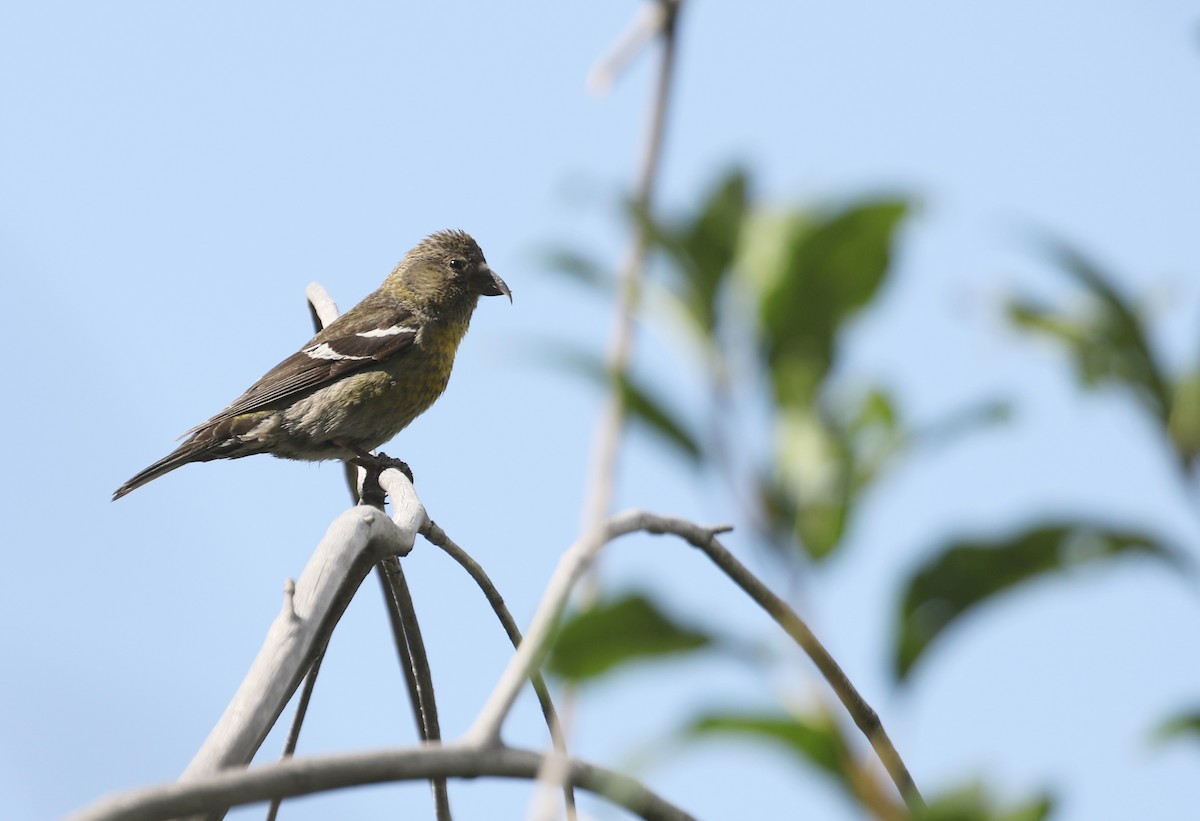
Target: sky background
{"x":173,"y":175}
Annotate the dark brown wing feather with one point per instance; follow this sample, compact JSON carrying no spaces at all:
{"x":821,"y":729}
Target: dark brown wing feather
{"x":350,"y":343}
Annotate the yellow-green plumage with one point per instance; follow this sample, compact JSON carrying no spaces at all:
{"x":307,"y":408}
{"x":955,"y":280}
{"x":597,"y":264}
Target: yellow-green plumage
{"x":362,"y":379}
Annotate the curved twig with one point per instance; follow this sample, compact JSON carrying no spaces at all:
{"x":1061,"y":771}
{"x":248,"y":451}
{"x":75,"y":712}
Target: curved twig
{"x":415,"y":662}
{"x":860,"y":711}
{"x":575,"y":563}
{"x":293,"y":737}
{"x":608,"y":430}
{"x":304,"y":776}
{"x":406,"y":630}
{"x":436,"y":536}
{"x":355,"y":542}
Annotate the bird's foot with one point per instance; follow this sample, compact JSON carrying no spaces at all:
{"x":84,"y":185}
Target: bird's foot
{"x":379,"y":462}
{"x":375,"y":464}
{"x":400,"y":465}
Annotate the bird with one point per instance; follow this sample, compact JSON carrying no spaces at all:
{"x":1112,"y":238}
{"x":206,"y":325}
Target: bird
{"x":363,"y":378}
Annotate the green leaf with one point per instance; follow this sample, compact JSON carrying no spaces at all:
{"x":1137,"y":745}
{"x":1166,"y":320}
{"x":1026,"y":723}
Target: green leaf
{"x":702,"y":248}
{"x":877,"y":411}
{"x":1179,"y":726}
{"x":826,"y":460}
{"x":832,"y":267}
{"x":964,"y":575}
{"x":814,"y":740}
{"x":778,"y":508}
{"x":581,"y":269}
{"x":618,"y":631}
{"x":1184,"y":423}
{"x":974,"y":804}
{"x":654,"y":414}
{"x":711,"y":242}
{"x":1110,"y":343}
{"x":966,"y":420}
{"x":815,"y":466}
{"x":642,"y":405}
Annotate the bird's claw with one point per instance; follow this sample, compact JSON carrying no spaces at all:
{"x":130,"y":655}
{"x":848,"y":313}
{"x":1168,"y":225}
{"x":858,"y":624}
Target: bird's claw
{"x":386,"y":462}
{"x":375,"y":464}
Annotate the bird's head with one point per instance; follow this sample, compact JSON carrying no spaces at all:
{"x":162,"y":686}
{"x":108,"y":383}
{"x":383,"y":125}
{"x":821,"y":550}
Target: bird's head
{"x":447,"y":271}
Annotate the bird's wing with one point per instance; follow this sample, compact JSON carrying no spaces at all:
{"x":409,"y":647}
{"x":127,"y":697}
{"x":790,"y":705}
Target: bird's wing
{"x":352,"y":342}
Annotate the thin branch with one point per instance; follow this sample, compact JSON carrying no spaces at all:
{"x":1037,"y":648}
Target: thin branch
{"x":417,"y":670}
{"x":406,"y":631}
{"x":293,"y":737}
{"x":436,"y":536}
{"x":320,"y":305}
{"x":355,"y":541}
{"x":323,"y":310}
{"x":860,"y":711}
{"x":645,"y":25}
{"x":304,"y":776}
{"x":574,"y":563}
{"x":401,"y":642}
{"x":608,"y":430}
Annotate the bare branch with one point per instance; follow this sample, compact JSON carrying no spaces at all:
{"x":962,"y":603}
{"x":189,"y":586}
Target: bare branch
{"x":406,"y":630}
{"x":415,"y":662}
{"x":320,"y":305}
{"x":435,"y":535}
{"x":574,"y":563}
{"x":304,"y":776}
{"x":293,"y":738}
{"x":646,"y":24}
{"x":608,"y":430}
{"x":864,"y":716}
{"x":355,"y":541}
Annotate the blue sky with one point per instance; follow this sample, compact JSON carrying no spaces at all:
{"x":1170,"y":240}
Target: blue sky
{"x":171,"y":176}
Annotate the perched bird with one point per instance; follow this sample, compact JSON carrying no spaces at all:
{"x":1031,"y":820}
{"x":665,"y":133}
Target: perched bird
{"x":362,"y":379}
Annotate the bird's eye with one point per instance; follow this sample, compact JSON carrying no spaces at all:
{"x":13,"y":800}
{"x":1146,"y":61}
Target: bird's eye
{"x":457,"y":264}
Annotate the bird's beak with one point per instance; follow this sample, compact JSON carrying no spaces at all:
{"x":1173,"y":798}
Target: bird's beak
{"x":490,"y":284}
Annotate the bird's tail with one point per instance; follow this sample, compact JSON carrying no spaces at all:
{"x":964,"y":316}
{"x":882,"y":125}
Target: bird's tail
{"x":190,"y":451}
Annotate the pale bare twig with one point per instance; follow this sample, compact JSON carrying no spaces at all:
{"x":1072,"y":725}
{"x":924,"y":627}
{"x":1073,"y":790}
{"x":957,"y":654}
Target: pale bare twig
{"x":645,"y":25}
{"x":416,"y":660}
{"x":860,"y":711}
{"x":608,"y":431}
{"x":574,"y":563}
{"x":437,"y":536}
{"x":320,"y":305}
{"x":657,"y":18}
{"x":355,"y":542}
{"x":304,"y":776}
{"x":323,"y":310}
{"x":402,"y":616}
{"x":293,"y":738}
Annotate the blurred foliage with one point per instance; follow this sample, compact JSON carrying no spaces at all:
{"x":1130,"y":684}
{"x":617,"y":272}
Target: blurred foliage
{"x":617,"y":631}
{"x":808,"y":272}
{"x":815,"y":740}
{"x":580,"y":268}
{"x":641,"y":403}
{"x":702,"y":249}
{"x":965,"y":574}
{"x":799,"y":277}
{"x":974,"y":804}
{"x":767,"y":296}
{"x":1109,"y":345}
{"x":1183,"y":725}
{"x":833,"y":264}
